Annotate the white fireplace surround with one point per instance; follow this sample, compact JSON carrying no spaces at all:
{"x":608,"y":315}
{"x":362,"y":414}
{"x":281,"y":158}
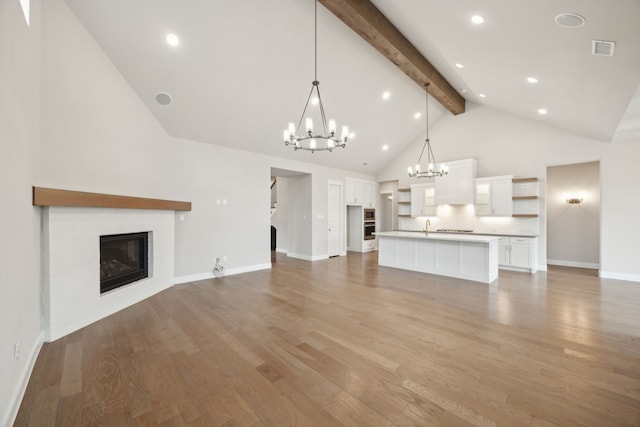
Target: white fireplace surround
{"x":71,"y":296}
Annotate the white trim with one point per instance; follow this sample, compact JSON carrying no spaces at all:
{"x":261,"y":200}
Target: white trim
{"x":282,"y":250}
{"x":520,"y":269}
{"x":192,"y":278}
{"x":619,"y":276}
{"x":248,"y":269}
{"x":542,"y":267}
{"x":591,"y":265}
{"x":24,"y":380}
{"x":230,"y":272}
{"x":343,"y":217}
{"x":308,"y":257}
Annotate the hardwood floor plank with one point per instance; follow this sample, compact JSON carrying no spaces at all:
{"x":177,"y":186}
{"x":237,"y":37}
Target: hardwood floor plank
{"x":71,"y":381}
{"x":346,"y":342}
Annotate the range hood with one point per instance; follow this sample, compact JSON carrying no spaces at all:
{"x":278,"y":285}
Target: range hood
{"x":458,"y":186}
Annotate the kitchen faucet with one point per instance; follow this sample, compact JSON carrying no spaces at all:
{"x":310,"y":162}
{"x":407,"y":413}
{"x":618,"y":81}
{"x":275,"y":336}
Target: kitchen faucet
{"x":426,"y":226}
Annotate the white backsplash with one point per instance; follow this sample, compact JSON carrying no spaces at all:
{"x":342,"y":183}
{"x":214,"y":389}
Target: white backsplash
{"x":463,"y":218}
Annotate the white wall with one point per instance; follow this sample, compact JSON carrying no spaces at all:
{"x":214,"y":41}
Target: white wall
{"x":20,"y":94}
{"x":620,"y":210}
{"x":505,"y":144}
{"x":573,"y":230}
{"x":299,"y":217}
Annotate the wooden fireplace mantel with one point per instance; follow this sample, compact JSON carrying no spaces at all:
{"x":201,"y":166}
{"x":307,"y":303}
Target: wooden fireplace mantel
{"x":56,"y":197}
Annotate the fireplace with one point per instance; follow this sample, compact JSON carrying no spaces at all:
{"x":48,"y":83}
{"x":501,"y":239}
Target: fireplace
{"x":124,"y":259}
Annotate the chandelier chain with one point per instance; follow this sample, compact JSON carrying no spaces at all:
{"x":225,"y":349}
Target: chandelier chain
{"x":308,"y":141}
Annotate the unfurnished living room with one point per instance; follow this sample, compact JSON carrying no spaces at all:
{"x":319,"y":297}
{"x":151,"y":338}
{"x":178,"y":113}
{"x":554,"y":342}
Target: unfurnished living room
{"x":319,"y":212}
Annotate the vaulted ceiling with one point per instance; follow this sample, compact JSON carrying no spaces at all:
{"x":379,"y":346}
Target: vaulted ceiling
{"x":243,"y":69}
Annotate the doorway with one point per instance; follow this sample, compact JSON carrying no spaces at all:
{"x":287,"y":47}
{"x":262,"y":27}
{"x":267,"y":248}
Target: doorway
{"x":386,"y":212}
{"x":573,"y":215}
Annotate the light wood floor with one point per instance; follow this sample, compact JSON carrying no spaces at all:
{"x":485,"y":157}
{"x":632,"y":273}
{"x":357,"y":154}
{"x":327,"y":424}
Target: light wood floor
{"x":345,"y":342}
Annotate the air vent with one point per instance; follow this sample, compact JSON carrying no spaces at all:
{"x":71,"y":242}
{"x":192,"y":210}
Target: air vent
{"x":602,"y":48}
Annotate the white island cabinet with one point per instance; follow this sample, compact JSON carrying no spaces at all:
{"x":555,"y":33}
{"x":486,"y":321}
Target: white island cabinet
{"x":469,"y":257}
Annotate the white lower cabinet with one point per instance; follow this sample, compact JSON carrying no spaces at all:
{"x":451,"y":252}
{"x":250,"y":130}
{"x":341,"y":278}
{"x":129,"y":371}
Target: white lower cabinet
{"x":369,"y":245}
{"x":518,"y":253}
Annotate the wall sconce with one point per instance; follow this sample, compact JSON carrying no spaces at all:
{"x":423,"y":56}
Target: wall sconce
{"x":574,"y":199}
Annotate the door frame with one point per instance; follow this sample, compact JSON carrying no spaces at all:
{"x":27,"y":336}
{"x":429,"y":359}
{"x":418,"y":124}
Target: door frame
{"x":342,"y":240}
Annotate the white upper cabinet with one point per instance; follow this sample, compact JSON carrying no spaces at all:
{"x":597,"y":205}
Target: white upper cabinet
{"x":494,"y":196}
{"x":423,"y":200}
{"x":369,"y":200}
{"x":354,"y":192}
{"x":458,"y":186}
{"x":358,"y":192}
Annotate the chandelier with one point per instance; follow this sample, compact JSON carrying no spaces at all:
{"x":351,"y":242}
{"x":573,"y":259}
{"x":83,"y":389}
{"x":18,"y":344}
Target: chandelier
{"x":433,"y":169}
{"x":325,"y":139}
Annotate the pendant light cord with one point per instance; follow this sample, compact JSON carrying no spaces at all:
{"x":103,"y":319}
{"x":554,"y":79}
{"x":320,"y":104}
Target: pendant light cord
{"x":316,"y":83}
{"x":426,"y":141}
{"x":315,"y":39}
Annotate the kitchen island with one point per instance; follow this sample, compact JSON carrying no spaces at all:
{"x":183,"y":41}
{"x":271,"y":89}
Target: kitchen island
{"x":470,"y":257}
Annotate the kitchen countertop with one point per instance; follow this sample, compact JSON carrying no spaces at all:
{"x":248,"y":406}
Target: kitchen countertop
{"x":473,"y":233}
{"x":459,"y":237}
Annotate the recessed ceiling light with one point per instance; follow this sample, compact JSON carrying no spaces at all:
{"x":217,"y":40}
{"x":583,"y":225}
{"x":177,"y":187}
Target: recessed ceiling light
{"x":172,"y":40}
{"x":532,"y":80}
{"x":459,"y":65}
{"x":386,"y":95}
{"x":314,"y":101}
{"x":482,"y":95}
{"x":163,"y":98}
{"x":570,"y":20}
{"x":385,"y":147}
{"x":417,"y":115}
{"x":477,"y":19}
{"x":463,"y":91}
{"x":542,"y":111}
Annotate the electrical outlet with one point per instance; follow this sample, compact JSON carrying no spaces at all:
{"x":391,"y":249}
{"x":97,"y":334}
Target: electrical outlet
{"x":16,"y":351}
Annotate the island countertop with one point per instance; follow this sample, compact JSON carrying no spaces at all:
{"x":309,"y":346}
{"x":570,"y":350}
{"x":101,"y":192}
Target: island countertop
{"x":438,"y":236}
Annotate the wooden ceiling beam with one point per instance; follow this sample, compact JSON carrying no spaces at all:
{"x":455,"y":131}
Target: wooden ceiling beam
{"x":366,"y":20}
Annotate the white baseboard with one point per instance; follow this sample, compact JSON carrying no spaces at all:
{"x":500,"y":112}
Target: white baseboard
{"x":619,"y":276}
{"x":576,"y":264}
{"x":308,"y":257}
{"x":230,"y":272}
{"x":542,"y":267}
{"x":24,"y":380}
{"x":281,"y":250}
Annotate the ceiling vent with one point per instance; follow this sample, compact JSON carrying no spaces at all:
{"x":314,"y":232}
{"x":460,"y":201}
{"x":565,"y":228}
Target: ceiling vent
{"x":602,"y":48}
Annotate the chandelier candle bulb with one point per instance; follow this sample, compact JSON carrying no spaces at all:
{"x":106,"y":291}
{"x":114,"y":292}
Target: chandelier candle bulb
{"x":345,"y":133}
{"x":332,"y":126}
{"x":287,"y":135}
{"x":292,"y":129}
{"x":309,"y":125}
